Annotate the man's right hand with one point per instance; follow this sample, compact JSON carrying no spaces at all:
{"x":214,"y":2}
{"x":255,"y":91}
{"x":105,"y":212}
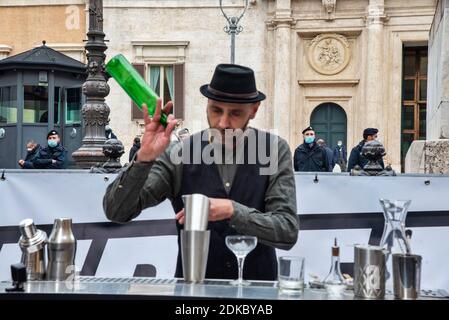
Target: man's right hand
{"x":156,"y":138}
{"x":21,"y":162}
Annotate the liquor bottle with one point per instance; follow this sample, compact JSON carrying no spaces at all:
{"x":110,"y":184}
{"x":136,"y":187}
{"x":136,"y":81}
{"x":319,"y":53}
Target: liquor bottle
{"x":334,"y":282}
{"x":134,"y":85}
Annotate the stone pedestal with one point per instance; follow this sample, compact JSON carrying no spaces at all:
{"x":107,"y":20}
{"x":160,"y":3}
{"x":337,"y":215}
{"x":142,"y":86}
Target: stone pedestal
{"x":438,"y":74}
{"x":428,"y":156}
{"x":432,"y":155}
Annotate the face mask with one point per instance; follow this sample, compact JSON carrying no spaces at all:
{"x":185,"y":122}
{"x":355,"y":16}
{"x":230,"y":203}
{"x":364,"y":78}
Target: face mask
{"x":29,"y":149}
{"x":309,"y":139}
{"x":52,"y":143}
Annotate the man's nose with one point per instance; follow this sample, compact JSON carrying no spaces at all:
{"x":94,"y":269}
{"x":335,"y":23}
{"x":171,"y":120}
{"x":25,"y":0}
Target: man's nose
{"x":224,"y":122}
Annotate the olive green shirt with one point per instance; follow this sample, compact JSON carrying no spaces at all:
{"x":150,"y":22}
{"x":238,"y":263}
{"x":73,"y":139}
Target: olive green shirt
{"x":142,"y":185}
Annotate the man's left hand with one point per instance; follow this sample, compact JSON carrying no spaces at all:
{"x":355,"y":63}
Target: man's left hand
{"x":219,"y":209}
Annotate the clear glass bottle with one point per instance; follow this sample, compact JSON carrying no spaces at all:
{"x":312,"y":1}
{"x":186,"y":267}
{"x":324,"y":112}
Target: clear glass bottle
{"x":334,"y":276}
{"x":334,"y":283}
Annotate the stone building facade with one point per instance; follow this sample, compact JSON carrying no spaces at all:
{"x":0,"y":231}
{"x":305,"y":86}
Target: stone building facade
{"x":24,"y":24}
{"x":343,"y":55}
{"x":337,"y":64}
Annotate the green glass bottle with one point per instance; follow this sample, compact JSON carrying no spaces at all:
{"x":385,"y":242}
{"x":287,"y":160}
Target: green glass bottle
{"x":134,"y":85}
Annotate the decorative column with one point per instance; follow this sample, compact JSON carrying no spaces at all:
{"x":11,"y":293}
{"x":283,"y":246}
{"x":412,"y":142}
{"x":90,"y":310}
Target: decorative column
{"x":282,"y":23}
{"x":95,"y":112}
{"x":374,"y":90}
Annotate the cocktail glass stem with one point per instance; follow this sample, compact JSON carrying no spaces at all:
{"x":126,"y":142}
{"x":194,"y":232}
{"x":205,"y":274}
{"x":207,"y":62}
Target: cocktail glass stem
{"x":241,"y":261}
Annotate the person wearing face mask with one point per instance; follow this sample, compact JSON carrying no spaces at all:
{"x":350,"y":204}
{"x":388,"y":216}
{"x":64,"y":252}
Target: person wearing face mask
{"x":53,"y":156}
{"x":356,"y":157}
{"x":310,"y":156}
{"x":32,"y":151}
{"x":340,"y":155}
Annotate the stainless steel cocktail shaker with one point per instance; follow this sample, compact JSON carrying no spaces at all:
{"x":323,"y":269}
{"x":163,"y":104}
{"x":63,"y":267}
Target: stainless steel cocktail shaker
{"x":32,"y":243}
{"x":61,"y":250}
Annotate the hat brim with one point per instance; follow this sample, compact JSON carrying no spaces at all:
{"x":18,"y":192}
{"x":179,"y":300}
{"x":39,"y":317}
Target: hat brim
{"x":205,"y":92}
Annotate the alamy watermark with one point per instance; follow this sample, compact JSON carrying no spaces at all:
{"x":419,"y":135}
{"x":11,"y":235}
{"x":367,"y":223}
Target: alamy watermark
{"x":72,"y":20}
{"x":230,"y":146}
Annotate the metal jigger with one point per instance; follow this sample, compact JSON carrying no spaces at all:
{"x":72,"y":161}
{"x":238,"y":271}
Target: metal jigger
{"x":195,"y":237}
{"x":406,"y":276}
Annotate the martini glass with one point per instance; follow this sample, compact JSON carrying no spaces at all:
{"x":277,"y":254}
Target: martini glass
{"x":241,"y":246}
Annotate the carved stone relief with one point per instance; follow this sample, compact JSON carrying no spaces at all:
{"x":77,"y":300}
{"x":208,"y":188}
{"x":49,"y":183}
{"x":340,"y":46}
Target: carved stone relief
{"x":329,"y":54}
{"x":329,"y":8}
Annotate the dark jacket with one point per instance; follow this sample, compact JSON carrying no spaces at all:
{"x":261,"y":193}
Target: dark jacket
{"x":109,"y":134}
{"x":330,"y":158}
{"x":134,"y":149}
{"x":340,"y":157}
{"x":248,"y":188}
{"x":310,"y":159}
{"x":356,"y":157}
{"x":47,"y":154}
{"x":31,"y":155}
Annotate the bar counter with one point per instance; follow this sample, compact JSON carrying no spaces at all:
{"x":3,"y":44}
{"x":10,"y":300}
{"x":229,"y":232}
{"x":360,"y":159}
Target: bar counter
{"x":152,"y":288}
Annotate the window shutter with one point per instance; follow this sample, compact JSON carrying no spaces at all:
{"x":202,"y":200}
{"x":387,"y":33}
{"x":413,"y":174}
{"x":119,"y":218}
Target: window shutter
{"x":136,"y":113}
{"x":179,"y":91}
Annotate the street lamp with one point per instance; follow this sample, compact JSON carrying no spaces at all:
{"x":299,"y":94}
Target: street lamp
{"x":95,"y":111}
{"x":233,"y":28}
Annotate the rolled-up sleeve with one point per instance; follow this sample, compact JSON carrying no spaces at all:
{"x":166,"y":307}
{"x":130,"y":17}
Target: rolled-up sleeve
{"x":139,"y":186}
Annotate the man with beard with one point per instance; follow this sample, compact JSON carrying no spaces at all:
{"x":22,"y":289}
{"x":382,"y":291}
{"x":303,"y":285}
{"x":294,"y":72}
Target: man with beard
{"x":244,"y":198}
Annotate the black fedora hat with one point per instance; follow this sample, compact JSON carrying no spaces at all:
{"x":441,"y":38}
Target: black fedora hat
{"x":234,"y":84}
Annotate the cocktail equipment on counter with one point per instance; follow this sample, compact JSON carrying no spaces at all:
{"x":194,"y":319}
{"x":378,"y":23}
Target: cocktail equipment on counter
{"x":19,"y":277}
{"x":195,"y":237}
{"x":291,"y":274}
{"x":194,"y":251}
{"x":369,"y":272}
{"x":406,"y":276}
{"x":394,"y":236}
{"x":334,"y":281}
{"x":32,"y":243}
{"x":61,"y":250}
{"x":241,"y":245}
{"x":196,"y":211}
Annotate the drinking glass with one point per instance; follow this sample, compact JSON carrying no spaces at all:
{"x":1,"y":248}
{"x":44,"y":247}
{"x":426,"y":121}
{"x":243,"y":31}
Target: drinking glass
{"x":291,"y":274}
{"x":241,"y":246}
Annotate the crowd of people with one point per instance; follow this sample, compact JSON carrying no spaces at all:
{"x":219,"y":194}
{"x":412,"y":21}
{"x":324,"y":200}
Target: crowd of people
{"x":53,"y":156}
{"x":313,"y":155}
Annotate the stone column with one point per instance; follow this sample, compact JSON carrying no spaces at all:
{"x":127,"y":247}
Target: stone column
{"x":374,"y":90}
{"x":438,"y":75}
{"x":282,"y":23}
{"x":432,"y":155}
